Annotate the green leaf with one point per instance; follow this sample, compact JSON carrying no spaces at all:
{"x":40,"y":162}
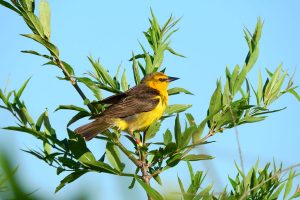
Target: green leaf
{"x":124,"y":82}
{"x":28,"y":5}
{"x":174,"y":160}
{"x":190,"y":171}
{"x":249,"y":119}
{"x":37,"y":53}
{"x":37,"y":26}
{"x":59,"y":170}
{"x":3,"y":97}
{"x":51,"y":47}
{"x":69,"y":179}
{"x":35,"y":153}
{"x":196,"y":157}
{"x":78,"y":147}
{"x":240,"y":80}
{"x":187,"y":135}
{"x":177,"y":131}
{"x":296,"y":95}
{"x":86,"y":157}
{"x":296,"y":194}
{"x":45,"y":17}
{"x":78,"y":116}
{"x":190,"y":119}
{"x":68,"y":67}
{"x":167,"y":137}
{"x":149,"y":66}
{"x":137,"y":78}
{"x":205,"y":192}
{"x":170,"y":148}
{"x":101,"y":72}
{"x":70,"y":107}
{"x":174,"y":52}
{"x":19,"y":93}
{"x":9,"y":6}
{"x":196,"y":135}
{"x":158,"y":179}
{"x":48,"y":128}
{"x":259,"y":89}
{"x":277,"y":192}
{"x":152,"y":130}
{"x":289,"y":184}
{"x":216,"y":99}
{"x":113,"y":156}
{"x":253,"y":41}
{"x":134,"y":179}
{"x":178,"y":90}
{"x":26,"y":130}
{"x":181,"y":186}
{"x":177,"y":108}
{"x":101,"y":167}
{"x":91,"y":85}
{"x":68,"y":162}
{"x":47,"y":148}
{"x":27,"y":116}
{"x":150,"y":191}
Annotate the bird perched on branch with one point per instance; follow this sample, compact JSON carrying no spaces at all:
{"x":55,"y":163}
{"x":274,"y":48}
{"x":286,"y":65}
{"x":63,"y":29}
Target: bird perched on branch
{"x":133,"y":110}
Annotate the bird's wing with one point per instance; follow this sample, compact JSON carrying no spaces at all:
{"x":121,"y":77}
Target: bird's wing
{"x":140,"y":99}
{"x":134,"y":91}
{"x":113,"y":99}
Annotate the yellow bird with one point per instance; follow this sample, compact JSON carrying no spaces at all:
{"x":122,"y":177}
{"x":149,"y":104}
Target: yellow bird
{"x":133,"y":110}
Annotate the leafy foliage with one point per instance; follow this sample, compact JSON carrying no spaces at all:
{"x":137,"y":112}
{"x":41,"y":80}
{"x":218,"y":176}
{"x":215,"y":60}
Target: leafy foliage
{"x":256,"y":184}
{"x":230,"y":105}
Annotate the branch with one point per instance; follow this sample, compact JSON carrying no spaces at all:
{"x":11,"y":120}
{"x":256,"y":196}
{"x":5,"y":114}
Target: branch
{"x":127,"y":153}
{"x":72,"y":81}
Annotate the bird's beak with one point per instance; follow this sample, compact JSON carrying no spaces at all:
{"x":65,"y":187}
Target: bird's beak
{"x":170,"y":79}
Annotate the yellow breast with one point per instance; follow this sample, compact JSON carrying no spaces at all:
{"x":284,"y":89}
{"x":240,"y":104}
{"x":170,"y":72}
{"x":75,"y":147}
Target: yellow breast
{"x":142,"y":120}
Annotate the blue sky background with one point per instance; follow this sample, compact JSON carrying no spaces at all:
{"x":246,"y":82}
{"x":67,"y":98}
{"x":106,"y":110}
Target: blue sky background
{"x":210,"y":36}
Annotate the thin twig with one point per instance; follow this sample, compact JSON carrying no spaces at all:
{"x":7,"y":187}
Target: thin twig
{"x":72,"y":81}
{"x":209,"y":134}
{"x":237,"y":136}
{"x":127,"y":153}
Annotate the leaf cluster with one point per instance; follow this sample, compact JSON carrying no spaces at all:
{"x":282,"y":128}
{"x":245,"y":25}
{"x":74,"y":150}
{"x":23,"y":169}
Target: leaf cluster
{"x":256,"y":184}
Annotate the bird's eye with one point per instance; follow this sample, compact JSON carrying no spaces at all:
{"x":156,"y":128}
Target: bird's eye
{"x":161,"y":79}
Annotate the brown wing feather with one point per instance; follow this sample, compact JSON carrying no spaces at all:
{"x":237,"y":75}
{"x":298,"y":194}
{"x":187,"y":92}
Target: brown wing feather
{"x":138,"y":99}
{"x":113,"y":99}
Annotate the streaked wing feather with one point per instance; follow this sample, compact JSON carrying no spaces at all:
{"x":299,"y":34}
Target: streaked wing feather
{"x":113,"y":99}
{"x":130,"y":106}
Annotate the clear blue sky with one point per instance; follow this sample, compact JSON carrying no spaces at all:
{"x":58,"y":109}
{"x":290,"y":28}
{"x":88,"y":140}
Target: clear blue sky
{"x":210,"y":36}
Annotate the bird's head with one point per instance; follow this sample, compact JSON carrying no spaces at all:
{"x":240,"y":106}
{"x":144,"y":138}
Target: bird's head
{"x":158,"y":80}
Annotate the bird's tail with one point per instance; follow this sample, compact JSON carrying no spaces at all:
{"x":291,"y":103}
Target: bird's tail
{"x":90,"y":130}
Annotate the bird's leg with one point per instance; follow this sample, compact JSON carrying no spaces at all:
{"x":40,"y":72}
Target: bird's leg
{"x":138,"y":142}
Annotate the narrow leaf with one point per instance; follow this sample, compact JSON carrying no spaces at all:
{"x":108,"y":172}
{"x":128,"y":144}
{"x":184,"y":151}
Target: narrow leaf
{"x":177,"y":131}
{"x":124,"y":82}
{"x":289,"y":184}
{"x":113,"y":156}
{"x":150,"y":191}
{"x":45,"y":17}
{"x":167,"y":137}
{"x":69,"y":179}
{"x":52,"y":48}
{"x":194,"y":157}
{"x":19,"y":93}
{"x":78,"y":116}
{"x":178,"y":90}
{"x":70,"y":107}
{"x":176,"y":108}
{"x":9,"y":6}
{"x":152,"y":130}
